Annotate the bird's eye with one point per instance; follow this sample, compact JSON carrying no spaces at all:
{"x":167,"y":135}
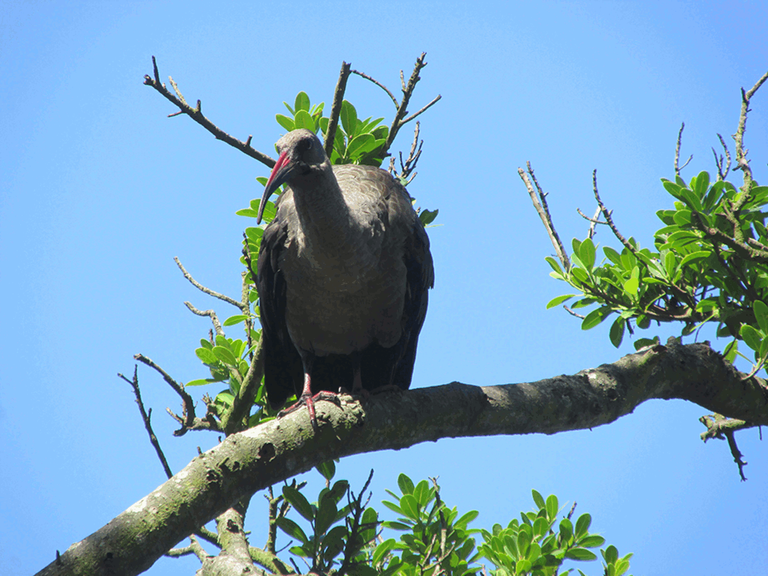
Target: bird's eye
{"x":306,"y":145}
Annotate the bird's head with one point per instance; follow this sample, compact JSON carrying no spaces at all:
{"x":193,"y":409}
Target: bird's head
{"x":301,"y":154}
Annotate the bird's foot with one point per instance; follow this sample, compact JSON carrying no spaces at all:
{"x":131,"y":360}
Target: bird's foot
{"x":309,"y":400}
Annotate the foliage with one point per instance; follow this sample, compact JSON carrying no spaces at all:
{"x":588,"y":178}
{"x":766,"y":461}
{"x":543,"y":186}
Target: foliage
{"x":709,"y":265}
{"x":434,"y":539}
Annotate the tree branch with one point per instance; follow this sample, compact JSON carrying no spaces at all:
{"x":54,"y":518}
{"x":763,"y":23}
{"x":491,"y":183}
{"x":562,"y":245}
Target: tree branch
{"x":252,"y":460}
{"x":539,"y":199}
{"x":196,"y":115}
{"x":338,"y":99}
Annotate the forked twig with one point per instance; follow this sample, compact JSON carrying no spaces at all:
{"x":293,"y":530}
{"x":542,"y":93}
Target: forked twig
{"x":197,"y":115}
{"x":539,"y":199}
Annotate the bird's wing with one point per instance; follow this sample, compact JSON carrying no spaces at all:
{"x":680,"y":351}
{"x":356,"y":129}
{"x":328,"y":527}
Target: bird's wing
{"x":420,"y":278}
{"x":282,"y":364}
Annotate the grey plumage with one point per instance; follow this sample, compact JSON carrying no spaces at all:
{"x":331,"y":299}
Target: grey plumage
{"x":343,"y":273}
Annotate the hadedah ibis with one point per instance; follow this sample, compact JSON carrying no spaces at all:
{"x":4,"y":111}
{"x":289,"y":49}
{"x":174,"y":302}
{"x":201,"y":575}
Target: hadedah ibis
{"x":342,"y":274}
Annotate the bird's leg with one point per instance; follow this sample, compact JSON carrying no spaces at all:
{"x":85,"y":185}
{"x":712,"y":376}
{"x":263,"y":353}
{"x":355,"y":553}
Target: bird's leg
{"x":306,"y":397}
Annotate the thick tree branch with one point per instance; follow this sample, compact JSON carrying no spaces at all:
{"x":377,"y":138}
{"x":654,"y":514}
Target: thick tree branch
{"x":257,"y":458}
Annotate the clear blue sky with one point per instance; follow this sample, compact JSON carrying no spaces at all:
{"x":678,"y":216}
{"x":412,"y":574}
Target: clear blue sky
{"x":99,"y":190}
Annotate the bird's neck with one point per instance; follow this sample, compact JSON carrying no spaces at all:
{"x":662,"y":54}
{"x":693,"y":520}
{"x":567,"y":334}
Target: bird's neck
{"x":324,"y":215}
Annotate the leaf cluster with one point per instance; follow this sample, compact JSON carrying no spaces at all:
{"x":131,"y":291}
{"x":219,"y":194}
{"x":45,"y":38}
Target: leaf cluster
{"x":434,"y":538}
{"x":357,"y":142}
{"x":709,"y":264}
{"x":536,"y":546}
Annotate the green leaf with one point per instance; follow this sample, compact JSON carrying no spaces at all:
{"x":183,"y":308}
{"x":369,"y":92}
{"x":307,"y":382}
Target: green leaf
{"x":299,"y":502}
{"x":559,"y":300}
{"x":580,"y":554}
{"x":302,"y":102}
{"x":285,"y":122}
{"x":382,"y":550}
{"x":595,"y":317}
{"x":422,"y":493}
{"x":410,"y":506}
{"x":582,"y":525}
{"x":224,"y":355}
{"x":292,"y":529}
{"x":554,"y":265}
{"x":348,"y":118}
{"x":592,"y":541}
{"x":236,"y":319}
{"x":587,"y":253}
{"x":616,"y":333}
{"x":360,"y":144}
{"x":304,"y":120}
{"x":729,"y":354}
{"x":552,"y":506}
{"x":206,"y":355}
{"x":538,"y":499}
{"x":566,"y":530}
{"x":427,"y":216}
{"x":202,"y":382}
{"x":405,"y":484}
{"x":326,"y":514}
{"x":751,"y":336}
{"x":694,"y":256}
{"x":327,"y":469}
{"x":761,"y":315}
{"x":612,"y":255}
{"x":465,"y":519}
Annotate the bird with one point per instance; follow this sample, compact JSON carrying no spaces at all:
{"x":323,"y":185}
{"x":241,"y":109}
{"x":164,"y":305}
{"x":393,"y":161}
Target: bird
{"x":343,"y":274}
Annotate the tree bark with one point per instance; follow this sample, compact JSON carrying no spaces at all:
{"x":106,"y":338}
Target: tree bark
{"x":257,"y":458}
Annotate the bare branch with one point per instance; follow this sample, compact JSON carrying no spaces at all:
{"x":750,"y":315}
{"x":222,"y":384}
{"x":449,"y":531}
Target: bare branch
{"x":677,"y":151}
{"x":210,"y":313}
{"x":379,"y":84}
{"x":594,"y":221}
{"x":539,"y":199}
{"x":723,"y":167}
{"x":196,"y":115}
{"x":741,"y":153}
{"x":424,"y":109}
{"x":224,"y":298}
{"x":338,"y":99}
{"x":147,"y":418}
{"x":188,"y":403}
{"x":607,"y":216}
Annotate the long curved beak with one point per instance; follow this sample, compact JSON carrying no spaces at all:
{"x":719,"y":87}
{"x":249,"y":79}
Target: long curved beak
{"x":281,"y":173}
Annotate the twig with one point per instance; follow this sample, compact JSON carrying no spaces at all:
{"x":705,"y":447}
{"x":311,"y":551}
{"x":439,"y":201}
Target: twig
{"x":193,"y":548}
{"x":338,"y":99}
{"x":210,"y":313}
{"x":188,"y":403}
{"x":196,"y":284}
{"x":607,"y":216}
{"x":722,"y":167}
{"x":677,"y":152}
{"x":539,"y":199}
{"x":196,"y":115}
{"x":424,"y":109}
{"x":358,"y":507}
{"x":379,"y":84}
{"x":408,"y":166}
{"x":720,"y":427}
{"x":147,"y":417}
{"x":741,"y":153}
{"x":402,"y":109}
{"x":593,"y":221}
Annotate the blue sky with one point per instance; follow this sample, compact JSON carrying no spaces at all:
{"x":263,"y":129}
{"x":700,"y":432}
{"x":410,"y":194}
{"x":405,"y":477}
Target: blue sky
{"x":100,"y":190}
